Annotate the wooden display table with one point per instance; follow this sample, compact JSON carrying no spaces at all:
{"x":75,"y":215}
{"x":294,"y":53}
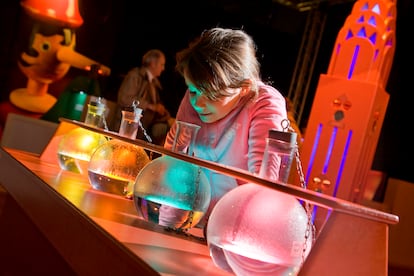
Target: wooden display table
{"x":59,"y":224}
{"x":53,"y":221}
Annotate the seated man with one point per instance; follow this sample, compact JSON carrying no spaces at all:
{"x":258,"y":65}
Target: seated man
{"x":141,"y":84}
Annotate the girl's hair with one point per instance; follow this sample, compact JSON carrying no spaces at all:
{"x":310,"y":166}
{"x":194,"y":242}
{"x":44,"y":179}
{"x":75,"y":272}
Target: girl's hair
{"x":219,"y":59}
{"x":151,"y":55}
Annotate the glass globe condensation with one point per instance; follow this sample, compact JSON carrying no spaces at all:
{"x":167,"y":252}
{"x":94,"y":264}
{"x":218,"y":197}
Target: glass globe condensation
{"x":172,"y":193}
{"x":115,"y":165}
{"x":254,"y":230}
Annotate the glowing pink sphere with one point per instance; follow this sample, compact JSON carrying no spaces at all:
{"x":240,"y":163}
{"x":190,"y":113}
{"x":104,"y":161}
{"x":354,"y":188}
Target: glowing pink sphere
{"x":254,"y":230}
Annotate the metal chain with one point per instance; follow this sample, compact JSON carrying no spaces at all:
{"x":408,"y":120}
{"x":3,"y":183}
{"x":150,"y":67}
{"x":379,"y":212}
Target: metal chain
{"x":105,"y":124}
{"x":190,"y":217}
{"x":197,"y":184}
{"x":310,"y":229}
{"x":135,"y":104}
{"x":149,"y":139}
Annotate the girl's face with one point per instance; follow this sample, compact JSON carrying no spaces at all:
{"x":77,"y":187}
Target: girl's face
{"x":211,"y":111}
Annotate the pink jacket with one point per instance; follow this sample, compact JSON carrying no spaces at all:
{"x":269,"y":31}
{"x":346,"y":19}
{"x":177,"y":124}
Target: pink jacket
{"x":238,"y":139}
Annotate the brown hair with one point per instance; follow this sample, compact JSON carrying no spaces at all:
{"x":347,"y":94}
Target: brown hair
{"x":219,"y":59}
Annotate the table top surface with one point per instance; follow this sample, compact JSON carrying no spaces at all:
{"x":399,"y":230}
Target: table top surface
{"x":115,"y":217}
{"x":167,"y":252}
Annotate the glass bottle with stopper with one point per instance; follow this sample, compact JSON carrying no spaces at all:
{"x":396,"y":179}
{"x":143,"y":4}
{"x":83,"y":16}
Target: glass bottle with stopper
{"x":114,"y":165}
{"x":171,"y":192}
{"x":77,"y":146}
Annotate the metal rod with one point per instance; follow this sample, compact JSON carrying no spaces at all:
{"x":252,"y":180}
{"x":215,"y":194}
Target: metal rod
{"x":326,"y":201}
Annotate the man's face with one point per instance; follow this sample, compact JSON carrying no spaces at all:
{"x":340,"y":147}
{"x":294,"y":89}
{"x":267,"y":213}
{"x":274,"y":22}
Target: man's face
{"x":157,"y":67}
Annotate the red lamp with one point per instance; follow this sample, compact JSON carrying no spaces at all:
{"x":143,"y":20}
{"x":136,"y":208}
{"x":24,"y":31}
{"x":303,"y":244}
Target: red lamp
{"x":58,"y":12}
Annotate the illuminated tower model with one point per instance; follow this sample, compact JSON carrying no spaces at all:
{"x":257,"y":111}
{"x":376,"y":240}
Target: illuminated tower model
{"x":350,"y":103}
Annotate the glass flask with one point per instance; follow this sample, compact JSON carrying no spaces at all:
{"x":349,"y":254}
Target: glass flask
{"x":280,"y":150}
{"x":255,"y":230}
{"x":114,"y":165}
{"x":171,"y":192}
{"x":77,"y":146}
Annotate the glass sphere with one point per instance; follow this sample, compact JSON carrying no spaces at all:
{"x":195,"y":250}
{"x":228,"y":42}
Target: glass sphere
{"x":114,"y":166}
{"x":76,"y":148}
{"x":254,"y":230}
{"x":172,"y":193}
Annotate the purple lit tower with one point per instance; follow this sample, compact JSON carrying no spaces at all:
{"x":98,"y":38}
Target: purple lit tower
{"x":350,"y":103}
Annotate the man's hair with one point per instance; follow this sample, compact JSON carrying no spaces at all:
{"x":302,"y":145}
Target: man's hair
{"x":150,"y":56}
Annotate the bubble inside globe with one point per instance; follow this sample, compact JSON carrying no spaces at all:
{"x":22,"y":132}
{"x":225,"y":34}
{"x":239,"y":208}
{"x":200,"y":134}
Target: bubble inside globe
{"x":172,"y":193}
{"x":255,"y":230}
{"x":114,"y":166}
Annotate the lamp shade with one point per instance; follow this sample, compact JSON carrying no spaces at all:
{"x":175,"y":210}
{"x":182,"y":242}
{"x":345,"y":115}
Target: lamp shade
{"x":59,"y":12}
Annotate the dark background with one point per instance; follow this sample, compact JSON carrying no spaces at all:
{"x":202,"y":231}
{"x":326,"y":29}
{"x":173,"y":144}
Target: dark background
{"x":117,"y":33}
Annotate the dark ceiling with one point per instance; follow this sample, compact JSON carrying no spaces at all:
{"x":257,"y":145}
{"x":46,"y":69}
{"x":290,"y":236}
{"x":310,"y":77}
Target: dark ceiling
{"x":302,"y":5}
